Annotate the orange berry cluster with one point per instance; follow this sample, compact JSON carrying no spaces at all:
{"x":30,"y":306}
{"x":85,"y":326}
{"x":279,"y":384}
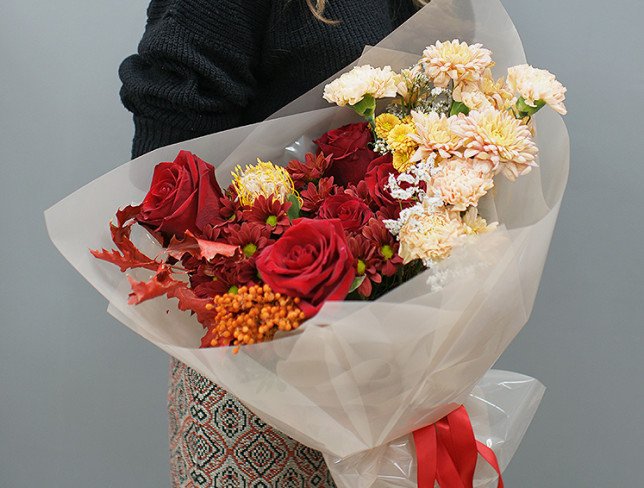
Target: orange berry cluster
{"x":253,"y":314}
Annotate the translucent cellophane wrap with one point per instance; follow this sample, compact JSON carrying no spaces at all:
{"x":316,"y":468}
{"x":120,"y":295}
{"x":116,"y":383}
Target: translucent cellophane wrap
{"x":360,"y":374}
{"x":500,"y":407}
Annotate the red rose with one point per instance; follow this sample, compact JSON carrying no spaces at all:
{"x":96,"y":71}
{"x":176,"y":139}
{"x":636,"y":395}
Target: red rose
{"x":311,"y":261}
{"x":348,"y":147}
{"x":351,"y":211}
{"x":184,"y":195}
{"x":377,"y":180}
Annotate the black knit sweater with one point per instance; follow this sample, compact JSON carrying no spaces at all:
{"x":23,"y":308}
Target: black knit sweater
{"x":208,"y":65}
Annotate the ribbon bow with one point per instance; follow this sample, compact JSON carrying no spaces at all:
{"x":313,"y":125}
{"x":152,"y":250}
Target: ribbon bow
{"x":447,"y":452}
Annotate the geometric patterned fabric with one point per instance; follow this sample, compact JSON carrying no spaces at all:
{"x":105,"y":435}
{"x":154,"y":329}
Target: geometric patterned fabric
{"x":216,"y":442}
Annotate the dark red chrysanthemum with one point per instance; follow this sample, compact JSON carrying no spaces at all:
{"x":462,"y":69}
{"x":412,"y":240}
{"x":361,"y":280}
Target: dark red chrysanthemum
{"x":230,"y":212}
{"x":251,"y":238}
{"x":309,"y":171}
{"x":385,"y":245}
{"x":366,"y":260}
{"x":205,"y":284}
{"x":223,"y":275}
{"x":314,"y":195}
{"x":270,"y":213}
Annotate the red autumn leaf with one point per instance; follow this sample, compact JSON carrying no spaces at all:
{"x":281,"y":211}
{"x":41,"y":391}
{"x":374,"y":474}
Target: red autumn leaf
{"x":123,"y":215}
{"x":199,"y":248}
{"x":124,"y":262}
{"x":129,"y":255}
{"x":162,"y":283}
{"x":202,"y":307}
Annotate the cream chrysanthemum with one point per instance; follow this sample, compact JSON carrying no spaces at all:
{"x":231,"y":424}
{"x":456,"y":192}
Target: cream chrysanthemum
{"x":353,"y":86}
{"x":263,"y":178}
{"x":534,"y":84}
{"x":497,"y":137}
{"x":458,"y":184}
{"x":429,"y":236}
{"x":474,"y":224}
{"x":484,"y":94}
{"x":405,"y":83}
{"x":434,"y":135}
{"x":384,"y":123}
{"x":455,"y":61}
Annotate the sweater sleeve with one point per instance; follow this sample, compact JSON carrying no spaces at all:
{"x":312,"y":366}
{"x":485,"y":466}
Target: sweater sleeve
{"x":194,"y":73}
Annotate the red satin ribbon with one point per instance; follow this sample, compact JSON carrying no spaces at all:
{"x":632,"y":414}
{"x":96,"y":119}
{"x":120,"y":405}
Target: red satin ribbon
{"x":447,"y":452}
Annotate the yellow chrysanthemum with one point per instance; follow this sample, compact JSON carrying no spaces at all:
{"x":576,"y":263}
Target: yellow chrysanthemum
{"x":400,"y":138}
{"x":455,"y":61}
{"x":263,"y":178}
{"x":384,"y":123}
{"x":402,"y":160}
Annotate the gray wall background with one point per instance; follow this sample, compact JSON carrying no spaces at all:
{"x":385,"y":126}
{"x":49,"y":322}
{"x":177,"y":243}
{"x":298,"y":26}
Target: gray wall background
{"x":82,"y":399}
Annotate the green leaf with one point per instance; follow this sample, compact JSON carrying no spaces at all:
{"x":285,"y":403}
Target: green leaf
{"x":356,"y":283}
{"x":294,"y":211}
{"x":459,"y":108}
{"x":526,"y":110}
{"x":366,"y":107}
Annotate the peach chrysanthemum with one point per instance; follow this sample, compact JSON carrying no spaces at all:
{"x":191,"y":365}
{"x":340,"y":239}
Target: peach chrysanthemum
{"x":384,"y":123}
{"x":497,"y":137}
{"x":352,"y":87}
{"x":458,"y":184}
{"x":434,"y":134}
{"x":534,"y":84}
{"x":429,"y":236}
{"x":474,"y":224}
{"x":455,"y":61}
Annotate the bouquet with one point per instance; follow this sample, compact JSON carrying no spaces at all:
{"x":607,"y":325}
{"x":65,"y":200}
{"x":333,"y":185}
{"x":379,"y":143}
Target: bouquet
{"x":354,"y":284}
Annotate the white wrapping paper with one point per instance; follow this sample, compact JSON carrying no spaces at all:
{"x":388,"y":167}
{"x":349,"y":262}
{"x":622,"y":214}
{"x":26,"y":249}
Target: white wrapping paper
{"x":358,"y":375}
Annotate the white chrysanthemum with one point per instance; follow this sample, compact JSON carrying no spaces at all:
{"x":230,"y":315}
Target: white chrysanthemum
{"x":535,"y":84}
{"x":429,"y":236}
{"x":455,"y":61}
{"x":474,"y":224}
{"x":353,"y":86}
{"x":459,"y":184}
{"x":434,"y":134}
{"x":497,"y":137}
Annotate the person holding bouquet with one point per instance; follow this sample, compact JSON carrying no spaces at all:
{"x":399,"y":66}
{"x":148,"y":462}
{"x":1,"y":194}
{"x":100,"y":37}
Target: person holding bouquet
{"x":205,"y":66}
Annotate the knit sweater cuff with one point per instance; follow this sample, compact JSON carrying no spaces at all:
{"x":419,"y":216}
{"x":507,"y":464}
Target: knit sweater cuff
{"x":150,"y":134}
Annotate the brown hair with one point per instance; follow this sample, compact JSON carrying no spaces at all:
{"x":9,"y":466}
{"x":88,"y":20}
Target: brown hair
{"x":317,"y":9}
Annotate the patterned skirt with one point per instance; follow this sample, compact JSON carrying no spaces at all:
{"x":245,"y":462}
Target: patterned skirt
{"x":216,"y":442}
